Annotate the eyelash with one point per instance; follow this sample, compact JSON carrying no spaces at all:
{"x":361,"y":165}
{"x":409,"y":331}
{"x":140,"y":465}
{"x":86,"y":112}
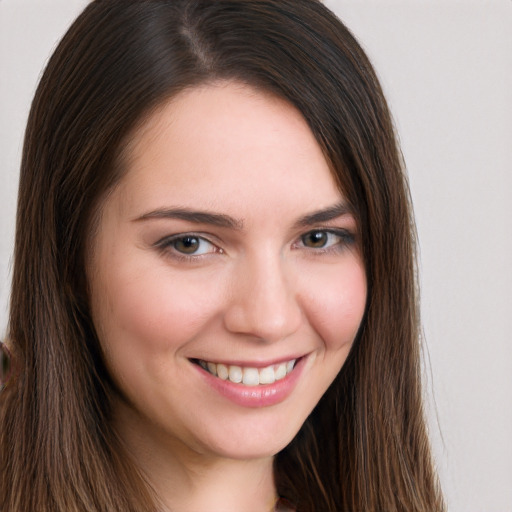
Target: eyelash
{"x":166,"y":245}
{"x":345,"y":238}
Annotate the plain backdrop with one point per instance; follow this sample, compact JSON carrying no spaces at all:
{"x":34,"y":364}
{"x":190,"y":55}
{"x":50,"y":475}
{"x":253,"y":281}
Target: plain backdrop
{"x":446,"y":68}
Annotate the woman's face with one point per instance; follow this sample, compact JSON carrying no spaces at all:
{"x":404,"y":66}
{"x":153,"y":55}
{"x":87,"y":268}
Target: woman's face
{"x":226,"y":253}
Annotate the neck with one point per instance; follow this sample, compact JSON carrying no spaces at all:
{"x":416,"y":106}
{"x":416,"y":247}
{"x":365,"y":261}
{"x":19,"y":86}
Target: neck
{"x":217,"y":486}
{"x":193,"y":480}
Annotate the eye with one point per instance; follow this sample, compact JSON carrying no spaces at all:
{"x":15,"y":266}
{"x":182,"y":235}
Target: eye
{"x":326,"y":239}
{"x":188,"y":245}
{"x":316,"y":239}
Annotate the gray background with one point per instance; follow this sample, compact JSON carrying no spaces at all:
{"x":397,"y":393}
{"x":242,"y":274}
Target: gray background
{"x":446,"y":67}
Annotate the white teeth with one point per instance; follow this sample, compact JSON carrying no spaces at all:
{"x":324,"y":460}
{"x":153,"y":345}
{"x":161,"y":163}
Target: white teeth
{"x":267,"y":375}
{"x":249,"y":376}
{"x":212,"y":368}
{"x":235,"y":374}
{"x":222,"y":371}
{"x":281,"y":371}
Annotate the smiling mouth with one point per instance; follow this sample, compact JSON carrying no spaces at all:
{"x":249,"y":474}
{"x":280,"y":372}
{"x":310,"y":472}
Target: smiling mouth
{"x":246,"y":375}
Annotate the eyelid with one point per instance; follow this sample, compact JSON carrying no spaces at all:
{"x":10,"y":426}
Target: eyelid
{"x":346,"y":237}
{"x":165,"y":245}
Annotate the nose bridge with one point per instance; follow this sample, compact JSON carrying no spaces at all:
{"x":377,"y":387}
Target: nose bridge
{"x":263,"y":302}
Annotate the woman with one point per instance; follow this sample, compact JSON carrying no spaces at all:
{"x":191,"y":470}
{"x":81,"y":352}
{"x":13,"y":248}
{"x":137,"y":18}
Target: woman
{"x":213,"y":302}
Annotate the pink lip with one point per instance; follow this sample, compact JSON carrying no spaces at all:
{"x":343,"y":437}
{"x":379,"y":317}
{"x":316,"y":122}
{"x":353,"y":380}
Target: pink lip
{"x":255,"y":396}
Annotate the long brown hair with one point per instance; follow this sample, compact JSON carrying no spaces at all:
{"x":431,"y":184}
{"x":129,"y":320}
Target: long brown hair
{"x":364,"y":447}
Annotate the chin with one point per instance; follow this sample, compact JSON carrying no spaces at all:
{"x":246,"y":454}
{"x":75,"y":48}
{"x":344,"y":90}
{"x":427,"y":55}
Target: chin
{"x":252,"y":437}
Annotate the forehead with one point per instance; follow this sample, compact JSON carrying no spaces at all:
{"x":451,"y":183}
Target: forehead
{"x":222,"y":142}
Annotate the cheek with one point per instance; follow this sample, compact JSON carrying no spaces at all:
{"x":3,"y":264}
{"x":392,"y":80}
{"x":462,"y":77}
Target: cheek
{"x":337,"y":308}
{"x":147,"y":311}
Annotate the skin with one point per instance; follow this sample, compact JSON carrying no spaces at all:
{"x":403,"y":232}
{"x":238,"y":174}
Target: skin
{"x":254,"y":291}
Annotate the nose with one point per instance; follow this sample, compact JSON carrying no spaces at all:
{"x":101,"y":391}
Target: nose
{"x":263,"y":302}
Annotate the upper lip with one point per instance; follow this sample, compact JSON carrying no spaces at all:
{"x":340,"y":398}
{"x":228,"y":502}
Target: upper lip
{"x":250,"y":364}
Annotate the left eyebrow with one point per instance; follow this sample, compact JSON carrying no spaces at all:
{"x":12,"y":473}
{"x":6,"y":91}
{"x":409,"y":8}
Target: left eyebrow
{"x":194,"y":216}
{"x":325,"y":215}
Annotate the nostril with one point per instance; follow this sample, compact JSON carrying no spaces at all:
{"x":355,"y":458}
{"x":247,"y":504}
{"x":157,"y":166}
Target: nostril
{"x":267,"y":312}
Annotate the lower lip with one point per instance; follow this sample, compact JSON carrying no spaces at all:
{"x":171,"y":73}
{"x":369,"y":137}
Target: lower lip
{"x":255,"y":396}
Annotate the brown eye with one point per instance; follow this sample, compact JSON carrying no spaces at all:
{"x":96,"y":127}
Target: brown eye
{"x":327,"y":239}
{"x":315,"y":239}
{"x":187,"y":244}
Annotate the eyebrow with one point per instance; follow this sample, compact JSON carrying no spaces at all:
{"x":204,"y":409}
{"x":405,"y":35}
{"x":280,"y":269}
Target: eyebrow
{"x":194,"y":216}
{"x":332,"y":212}
{"x":226,"y":221}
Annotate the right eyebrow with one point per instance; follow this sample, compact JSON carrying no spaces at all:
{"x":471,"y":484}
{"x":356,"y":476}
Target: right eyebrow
{"x":332,"y":212}
{"x":194,"y":216}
